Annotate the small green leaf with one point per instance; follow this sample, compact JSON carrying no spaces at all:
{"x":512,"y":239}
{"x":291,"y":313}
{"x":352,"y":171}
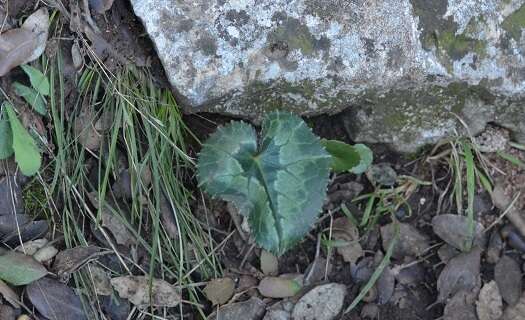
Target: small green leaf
{"x":367,"y":157}
{"x":27,"y":154}
{"x":279,"y":183}
{"x":38,"y":80}
{"x":344,"y":156}
{"x":6,"y":140}
{"x":18,"y":269}
{"x":355,"y":159}
{"x":32,"y":97}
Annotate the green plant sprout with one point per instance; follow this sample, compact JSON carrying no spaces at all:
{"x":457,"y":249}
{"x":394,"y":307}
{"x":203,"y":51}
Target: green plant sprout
{"x":278,"y":181}
{"x":14,"y":138}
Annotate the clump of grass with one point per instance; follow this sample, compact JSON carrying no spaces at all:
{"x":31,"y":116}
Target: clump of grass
{"x":467,"y":173}
{"x":147,"y":131}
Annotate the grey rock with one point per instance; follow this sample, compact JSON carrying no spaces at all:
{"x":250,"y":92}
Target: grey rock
{"x":459,"y":307}
{"x":507,"y":275}
{"x":411,"y":242}
{"x":252,"y":309}
{"x":408,"y":64}
{"x":453,"y":229}
{"x":462,"y":273}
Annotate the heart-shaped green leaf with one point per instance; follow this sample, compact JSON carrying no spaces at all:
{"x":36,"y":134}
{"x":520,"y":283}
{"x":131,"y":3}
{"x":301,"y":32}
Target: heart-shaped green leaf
{"x":279,"y":183}
{"x":38,"y":80}
{"x":6,"y":140}
{"x":18,"y":269}
{"x":345,"y":157}
{"x":27,"y":154}
{"x":31,"y":96}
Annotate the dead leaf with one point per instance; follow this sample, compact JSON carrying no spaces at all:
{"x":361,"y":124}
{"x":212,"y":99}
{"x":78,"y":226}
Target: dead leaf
{"x":18,"y":269}
{"x":77,"y":56}
{"x":24,"y":44}
{"x":462,"y":273}
{"x":137,"y":290}
{"x":219,"y":291}
{"x":279,"y":287}
{"x":346,"y":236}
{"x":84,"y":128}
{"x":7,"y":313}
{"x":9,"y":295}
{"x":489,"y":305}
{"x":55,"y":300}
{"x":507,"y":275}
{"x":453,"y":229}
{"x":321,"y":303}
{"x":119,"y":230}
{"x":70,"y":260}
{"x":269,"y":263}
{"x":100,"y":280}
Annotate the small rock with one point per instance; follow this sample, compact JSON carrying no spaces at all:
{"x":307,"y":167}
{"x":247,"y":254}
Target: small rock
{"x":489,"y":305}
{"x":45,"y":254}
{"x":495,"y":247}
{"x":252,"y":309}
{"x":493,"y":139}
{"x":382,"y":174}
{"x":462,"y":273}
{"x":269,"y":263}
{"x":410,"y":242}
{"x":516,"y":312}
{"x":219,"y":291}
{"x":321,"y":303}
{"x":282,"y":310}
{"x":279,"y":287}
{"x":410,"y":275}
{"x":453,"y":229}
{"x":460,"y":308}
{"x":363,"y":270}
{"x":507,"y":275}
{"x":370,"y":311}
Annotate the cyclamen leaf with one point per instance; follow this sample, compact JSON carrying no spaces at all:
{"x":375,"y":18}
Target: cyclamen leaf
{"x":31,"y":96}
{"x":6,"y":140}
{"x":279,"y":183}
{"x":18,"y":269}
{"x":27,"y":154}
{"x":38,"y":80}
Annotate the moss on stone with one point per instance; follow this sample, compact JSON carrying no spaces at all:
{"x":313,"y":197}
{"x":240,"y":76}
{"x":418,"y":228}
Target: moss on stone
{"x":514,"y":23}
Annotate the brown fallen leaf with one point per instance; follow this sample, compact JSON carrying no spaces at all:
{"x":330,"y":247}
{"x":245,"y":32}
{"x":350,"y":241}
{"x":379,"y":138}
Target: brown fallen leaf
{"x":347,"y":234}
{"x":55,"y":300}
{"x":100,"y":280}
{"x":137,"y":290}
{"x":219,"y":291}
{"x":9,"y":295}
{"x":70,"y":260}
{"x":24,"y":44}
